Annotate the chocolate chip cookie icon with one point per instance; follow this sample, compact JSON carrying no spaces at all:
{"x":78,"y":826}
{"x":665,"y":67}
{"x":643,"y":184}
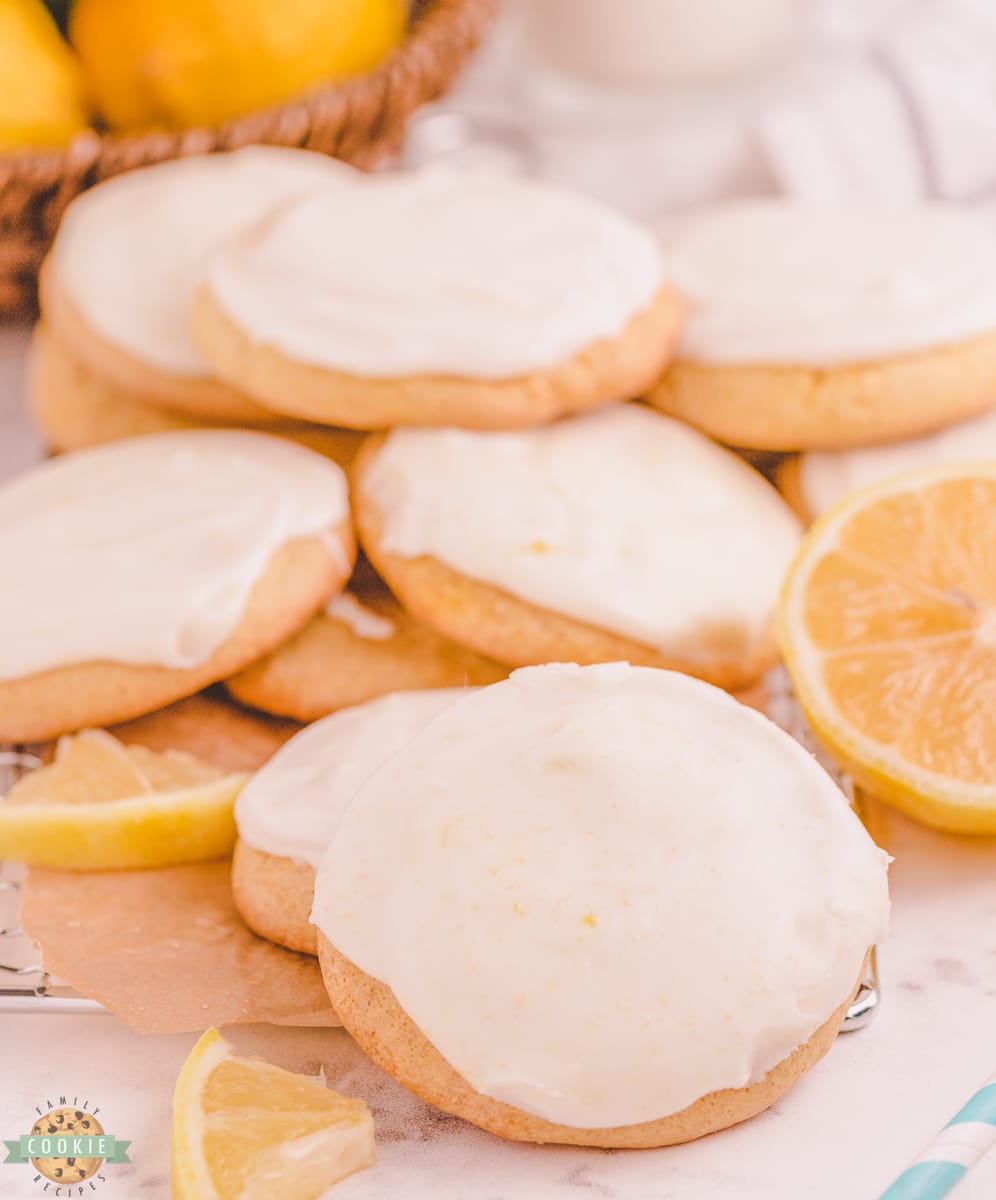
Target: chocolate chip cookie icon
{"x":67,"y":1123}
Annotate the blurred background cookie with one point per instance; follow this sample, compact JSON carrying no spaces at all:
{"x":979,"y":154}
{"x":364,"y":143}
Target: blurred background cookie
{"x":74,"y":408}
{"x":117,"y":284}
{"x":361,"y":646}
{"x":819,"y":328}
{"x":814,"y":482}
{"x":438,"y":298}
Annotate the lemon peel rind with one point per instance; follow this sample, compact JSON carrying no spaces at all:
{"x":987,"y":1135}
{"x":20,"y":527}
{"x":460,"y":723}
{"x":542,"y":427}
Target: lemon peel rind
{"x":191,"y":1177}
{"x":157,"y":830}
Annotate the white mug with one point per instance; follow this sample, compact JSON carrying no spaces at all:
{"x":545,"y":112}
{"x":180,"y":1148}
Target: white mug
{"x":657,"y":43}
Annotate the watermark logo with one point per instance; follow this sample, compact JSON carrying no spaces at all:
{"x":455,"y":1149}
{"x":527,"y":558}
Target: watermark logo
{"x":68,"y":1148}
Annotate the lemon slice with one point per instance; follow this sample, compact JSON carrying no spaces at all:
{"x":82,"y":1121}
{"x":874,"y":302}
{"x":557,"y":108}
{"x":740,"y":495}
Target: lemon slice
{"x":102,"y":805}
{"x":888,"y":627}
{"x":246,"y":1130}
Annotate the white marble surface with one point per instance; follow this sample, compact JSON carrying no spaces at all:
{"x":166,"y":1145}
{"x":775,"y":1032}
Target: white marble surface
{"x":844,"y":1132}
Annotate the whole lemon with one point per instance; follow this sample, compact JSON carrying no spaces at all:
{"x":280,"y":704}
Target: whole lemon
{"x":200,"y":62}
{"x":40,"y":80}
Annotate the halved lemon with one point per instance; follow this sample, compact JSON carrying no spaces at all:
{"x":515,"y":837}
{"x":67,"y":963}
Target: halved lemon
{"x":102,"y":805}
{"x":245,"y":1129}
{"x":888,"y":628}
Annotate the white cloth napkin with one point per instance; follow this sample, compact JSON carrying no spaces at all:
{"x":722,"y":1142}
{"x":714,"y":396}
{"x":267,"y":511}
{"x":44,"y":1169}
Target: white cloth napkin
{"x":907,"y":112}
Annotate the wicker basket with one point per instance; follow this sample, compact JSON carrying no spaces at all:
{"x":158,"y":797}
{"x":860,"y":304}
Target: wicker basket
{"x":360,"y":120}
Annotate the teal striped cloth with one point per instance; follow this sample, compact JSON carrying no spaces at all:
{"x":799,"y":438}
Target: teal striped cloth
{"x":962,"y":1142}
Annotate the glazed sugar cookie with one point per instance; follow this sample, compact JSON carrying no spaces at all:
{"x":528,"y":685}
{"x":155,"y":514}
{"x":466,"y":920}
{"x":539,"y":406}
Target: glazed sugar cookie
{"x":827,"y":328}
{"x":117,"y":284}
{"x":606,"y":906}
{"x":151,"y":567}
{"x":813,"y":483}
{"x":287,"y":812}
{"x":438,"y":298}
{"x":616,"y":535}
{"x":74,"y":409}
{"x":361,"y":646}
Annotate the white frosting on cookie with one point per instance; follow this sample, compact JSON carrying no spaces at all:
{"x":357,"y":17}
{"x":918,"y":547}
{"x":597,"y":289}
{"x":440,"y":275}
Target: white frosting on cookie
{"x":131,"y":251}
{"x":825,"y":478}
{"x":290,"y":807}
{"x":438,"y":272}
{"x":145,"y":551}
{"x":624,"y":519}
{"x":778,"y":283}
{"x":604,"y":892}
{"x":362,"y":621}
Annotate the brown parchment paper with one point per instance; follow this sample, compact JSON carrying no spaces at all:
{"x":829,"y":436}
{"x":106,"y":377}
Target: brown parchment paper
{"x":166,"y":951}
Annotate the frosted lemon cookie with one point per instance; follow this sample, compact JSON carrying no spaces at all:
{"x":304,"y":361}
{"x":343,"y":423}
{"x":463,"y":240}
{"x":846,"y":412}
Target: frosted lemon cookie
{"x":438,"y":298}
{"x":151,"y":567}
{"x":607,"y":906}
{"x":812,"y":483}
{"x":616,"y":535}
{"x":75,"y":409}
{"x":826,"y":328}
{"x":362,"y":645}
{"x":287,"y":812}
{"x":117,"y":284}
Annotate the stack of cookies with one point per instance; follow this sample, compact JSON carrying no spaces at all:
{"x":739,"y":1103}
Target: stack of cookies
{"x":602,"y":906}
{"x":480,"y":336}
{"x":469,"y":348}
{"x":392,"y":448}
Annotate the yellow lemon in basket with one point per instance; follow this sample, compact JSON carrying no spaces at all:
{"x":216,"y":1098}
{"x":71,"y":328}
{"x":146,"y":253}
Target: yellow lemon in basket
{"x":40,"y":80}
{"x":201,"y":62}
{"x":105,"y":806}
{"x":242,"y":1127}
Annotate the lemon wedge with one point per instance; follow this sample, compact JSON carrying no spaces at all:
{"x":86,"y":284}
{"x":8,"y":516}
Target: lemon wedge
{"x":888,"y":628}
{"x":244,"y":1129}
{"x":102,"y":806}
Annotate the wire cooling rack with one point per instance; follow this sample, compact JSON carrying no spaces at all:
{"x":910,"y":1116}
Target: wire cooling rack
{"x":24,"y":983}
{"x":26,"y":986}
{"x":784,"y":710}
